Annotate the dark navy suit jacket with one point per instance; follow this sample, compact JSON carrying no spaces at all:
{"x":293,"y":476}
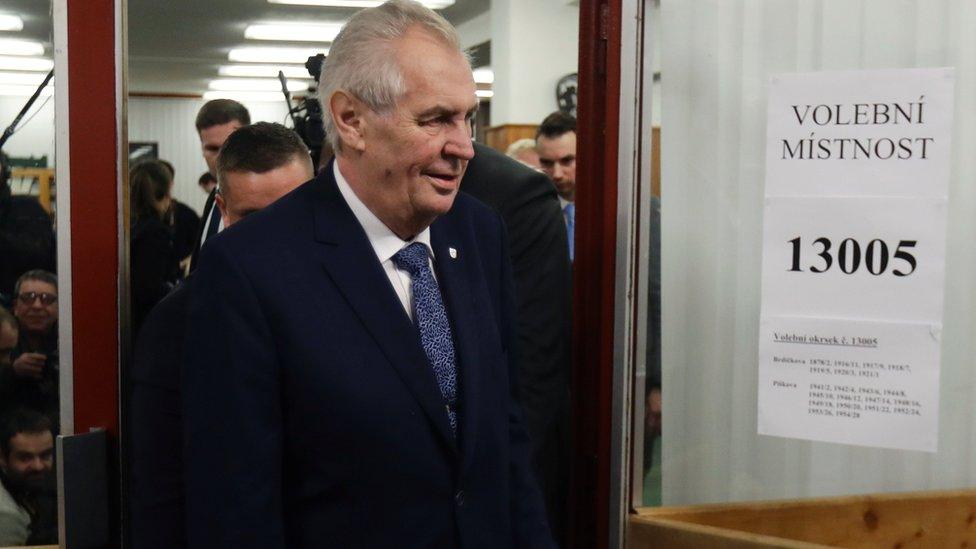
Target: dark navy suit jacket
{"x":312,"y":417}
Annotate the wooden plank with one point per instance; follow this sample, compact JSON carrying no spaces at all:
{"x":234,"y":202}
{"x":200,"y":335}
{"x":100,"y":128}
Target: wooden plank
{"x":649,"y":532}
{"x":919,"y":519}
{"x":500,"y":137}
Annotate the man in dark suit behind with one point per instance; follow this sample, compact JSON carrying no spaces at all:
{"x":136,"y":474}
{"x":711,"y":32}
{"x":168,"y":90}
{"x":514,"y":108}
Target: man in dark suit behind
{"x":358,"y":393}
{"x":258,"y":165}
{"x":216,"y":120}
{"x":527,"y":202}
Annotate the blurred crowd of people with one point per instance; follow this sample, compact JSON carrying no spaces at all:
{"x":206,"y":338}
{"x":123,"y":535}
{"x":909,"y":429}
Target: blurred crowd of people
{"x":29,"y":369}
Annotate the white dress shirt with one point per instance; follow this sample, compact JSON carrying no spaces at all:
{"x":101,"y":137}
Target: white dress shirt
{"x":385,"y":242}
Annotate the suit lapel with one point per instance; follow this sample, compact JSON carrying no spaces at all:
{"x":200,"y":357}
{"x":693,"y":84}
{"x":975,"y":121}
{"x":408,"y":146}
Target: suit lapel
{"x":456,"y":291}
{"x":349,"y":260}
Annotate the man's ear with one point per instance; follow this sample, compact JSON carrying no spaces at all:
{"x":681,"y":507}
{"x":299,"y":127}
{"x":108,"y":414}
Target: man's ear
{"x":219,"y":198}
{"x":348,"y":117}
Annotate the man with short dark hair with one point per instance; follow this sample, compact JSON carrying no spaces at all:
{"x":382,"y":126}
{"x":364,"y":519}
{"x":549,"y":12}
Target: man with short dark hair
{"x":27,"y":464}
{"x":258,"y":164}
{"x":359,"y":391}
{"x":216,"y":120}
{"x":556,"y":145}
{"x":31,"y":381}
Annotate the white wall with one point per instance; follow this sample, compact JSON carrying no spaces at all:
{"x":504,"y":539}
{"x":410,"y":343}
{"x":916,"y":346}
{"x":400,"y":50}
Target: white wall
{"x":36,"y":137}
{"x":716,"y":59}
{"x":476,"y":30}
{"x":170,"y":122}
{"x":533,"y":45}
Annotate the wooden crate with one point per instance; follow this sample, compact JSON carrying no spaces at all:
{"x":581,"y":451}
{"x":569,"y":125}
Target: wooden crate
{"x":902,"y":521}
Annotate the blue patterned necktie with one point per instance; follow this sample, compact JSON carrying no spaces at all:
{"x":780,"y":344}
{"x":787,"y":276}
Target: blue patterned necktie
{"x":569,"y":212}
{"x":431,"y":319}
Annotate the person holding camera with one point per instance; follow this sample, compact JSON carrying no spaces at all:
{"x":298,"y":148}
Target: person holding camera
{"x":31,"y":381}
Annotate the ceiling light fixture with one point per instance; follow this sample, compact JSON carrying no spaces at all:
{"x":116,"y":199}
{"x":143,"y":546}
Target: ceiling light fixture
{"x":274,"y":55}
{"x":11,"y":22}
{"x":484,"y":94}
{"x":20,"y":47}
{"x":245,"y":97}
{"x":254,"y":84}
{"x":13,"y":63}
{"x":483,"y":75}
{"x":264,"y":71}
{"x":290,"y":32}
{"x":432,"y":4}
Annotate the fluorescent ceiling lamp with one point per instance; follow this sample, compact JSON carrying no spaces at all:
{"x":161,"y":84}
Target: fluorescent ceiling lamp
{"x":22,"y":78}
{"x":245,"y":97}
{"x":13,"y":63}
{"x":11,"y":22}
{"x":264,"y":71}
{"x":24,"y":91}
{"x":20,"y":47}
{"x":255,"y":84}
{"x":484,"y":75}
{"x":302,"y":32}
{"x":274,"y":55}
{"x":432,"y":4}
{"x":484,"y":94}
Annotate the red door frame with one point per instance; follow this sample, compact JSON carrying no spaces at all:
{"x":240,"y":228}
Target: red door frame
{"x":94,"y":175}
{"x":95,"y":117}
{"x":594,"y":270}
{"x":96,"y":123}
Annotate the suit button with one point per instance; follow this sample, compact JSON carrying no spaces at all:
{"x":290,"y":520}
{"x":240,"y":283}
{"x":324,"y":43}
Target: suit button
{"x":459,"y":498}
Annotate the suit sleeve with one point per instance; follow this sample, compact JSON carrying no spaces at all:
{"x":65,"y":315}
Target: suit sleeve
{"x":530,"y":527}
{"x":231,"y":412}
{"x":542,"y":274}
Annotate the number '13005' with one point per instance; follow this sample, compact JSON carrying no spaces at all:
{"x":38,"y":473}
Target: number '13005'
{"x":876,"y":257}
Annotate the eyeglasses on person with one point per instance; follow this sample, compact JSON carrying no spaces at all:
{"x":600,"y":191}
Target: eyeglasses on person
{"x":28,"y":298}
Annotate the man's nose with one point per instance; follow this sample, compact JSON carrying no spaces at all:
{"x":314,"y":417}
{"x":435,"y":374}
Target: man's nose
{"x":558,"y":172}
{"x":459,"y":142}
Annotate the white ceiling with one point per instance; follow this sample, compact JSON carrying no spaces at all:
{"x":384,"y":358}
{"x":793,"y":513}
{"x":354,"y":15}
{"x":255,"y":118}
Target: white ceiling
{"x":37,"y":21}
{"x":175,"y":46}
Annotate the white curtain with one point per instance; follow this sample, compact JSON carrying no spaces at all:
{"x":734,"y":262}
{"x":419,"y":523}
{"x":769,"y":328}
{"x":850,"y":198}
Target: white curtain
{"x":716,"y":57}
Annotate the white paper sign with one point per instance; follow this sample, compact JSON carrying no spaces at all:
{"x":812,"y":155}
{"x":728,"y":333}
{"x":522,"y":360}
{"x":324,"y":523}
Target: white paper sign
{"x":857,"y":173}
{"x":859,"y":133}
{"x":856,"y":382}
{"x":876,"y":258}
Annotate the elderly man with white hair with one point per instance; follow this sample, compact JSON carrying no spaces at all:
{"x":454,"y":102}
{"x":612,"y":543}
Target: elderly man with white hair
{"x":359,"y":391}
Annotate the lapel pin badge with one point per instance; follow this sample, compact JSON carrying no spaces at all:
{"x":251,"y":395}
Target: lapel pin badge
{"x":452,"y":252}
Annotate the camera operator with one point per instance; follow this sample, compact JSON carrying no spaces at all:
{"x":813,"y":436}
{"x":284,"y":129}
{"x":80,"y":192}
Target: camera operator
{"x":26,"y":236}
{"x":32,"y":380}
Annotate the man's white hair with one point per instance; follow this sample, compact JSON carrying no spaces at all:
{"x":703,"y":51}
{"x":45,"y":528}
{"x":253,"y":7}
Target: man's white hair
{"x":525,"y":144}
{"x":362,"y":59}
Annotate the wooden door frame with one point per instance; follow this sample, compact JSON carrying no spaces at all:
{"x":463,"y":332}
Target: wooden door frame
{"x":594,"y":271}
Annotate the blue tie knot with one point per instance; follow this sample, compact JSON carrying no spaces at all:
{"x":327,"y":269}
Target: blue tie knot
{"x":413,"y":259}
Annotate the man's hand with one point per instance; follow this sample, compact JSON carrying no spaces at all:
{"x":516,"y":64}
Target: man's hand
{"x":30,"y":365}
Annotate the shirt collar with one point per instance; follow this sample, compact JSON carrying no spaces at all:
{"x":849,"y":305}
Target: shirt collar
{"x":384,"y":241}
{"x":563,"y":203}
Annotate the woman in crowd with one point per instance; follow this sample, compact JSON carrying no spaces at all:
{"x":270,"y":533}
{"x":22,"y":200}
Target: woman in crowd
{"x":154,"y":265}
